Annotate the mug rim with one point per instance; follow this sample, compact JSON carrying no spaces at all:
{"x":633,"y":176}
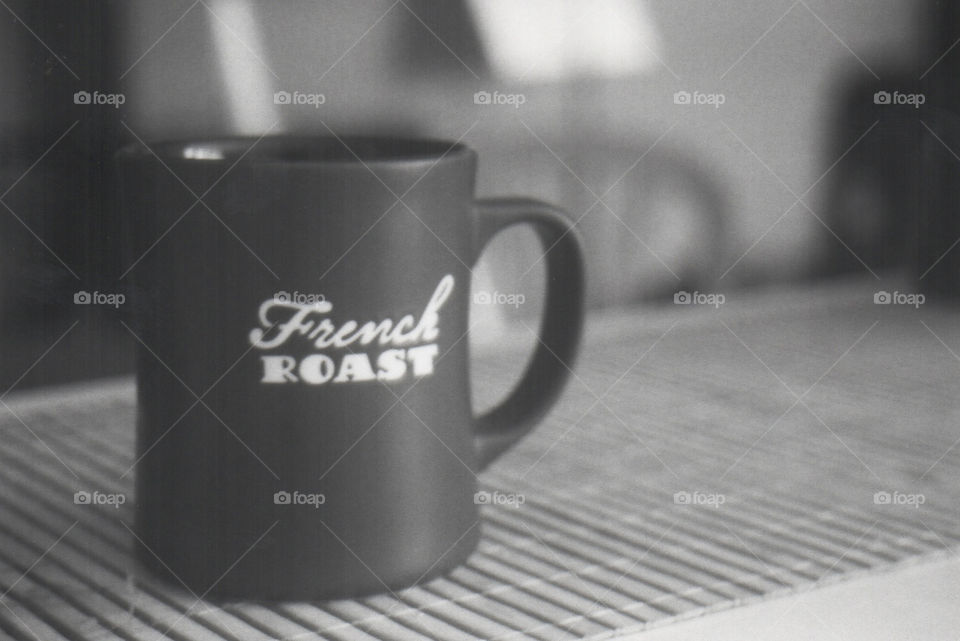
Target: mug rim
{"x":298,"y":150}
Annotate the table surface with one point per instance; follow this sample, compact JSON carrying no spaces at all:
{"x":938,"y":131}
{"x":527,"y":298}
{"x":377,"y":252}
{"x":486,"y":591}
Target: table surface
{"x":700,"y":459}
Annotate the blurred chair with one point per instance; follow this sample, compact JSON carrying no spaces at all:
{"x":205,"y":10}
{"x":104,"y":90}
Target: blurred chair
{"x":894,"y":203}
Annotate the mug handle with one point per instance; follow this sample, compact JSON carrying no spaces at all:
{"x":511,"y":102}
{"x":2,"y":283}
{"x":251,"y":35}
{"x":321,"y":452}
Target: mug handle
{"x":560,"y":329}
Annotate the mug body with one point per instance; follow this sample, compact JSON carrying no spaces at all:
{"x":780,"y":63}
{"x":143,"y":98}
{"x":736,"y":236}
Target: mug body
{"x":304,"y":427}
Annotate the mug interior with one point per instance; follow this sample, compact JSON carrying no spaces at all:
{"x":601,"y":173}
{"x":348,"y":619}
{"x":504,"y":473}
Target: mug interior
{"x":300,"y":149}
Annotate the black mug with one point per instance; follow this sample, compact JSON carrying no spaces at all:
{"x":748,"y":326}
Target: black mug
{"x":305,"y":428}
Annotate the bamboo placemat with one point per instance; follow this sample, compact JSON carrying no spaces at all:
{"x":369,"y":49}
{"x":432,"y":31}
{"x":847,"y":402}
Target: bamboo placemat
{"x":698,"y":460}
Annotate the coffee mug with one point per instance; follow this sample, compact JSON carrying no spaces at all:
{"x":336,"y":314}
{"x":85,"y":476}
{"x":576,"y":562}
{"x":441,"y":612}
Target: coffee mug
{"x":301,"y":304}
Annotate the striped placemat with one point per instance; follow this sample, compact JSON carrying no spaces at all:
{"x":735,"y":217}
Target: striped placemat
{"x":698,"y":460}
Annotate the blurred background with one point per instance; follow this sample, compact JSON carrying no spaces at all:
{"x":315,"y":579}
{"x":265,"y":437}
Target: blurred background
{"x":698,"y":146}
